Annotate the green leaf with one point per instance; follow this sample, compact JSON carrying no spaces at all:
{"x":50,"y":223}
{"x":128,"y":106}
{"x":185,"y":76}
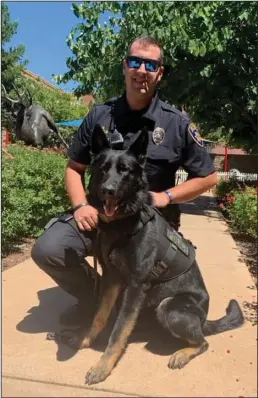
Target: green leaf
{"x":76,"y":10}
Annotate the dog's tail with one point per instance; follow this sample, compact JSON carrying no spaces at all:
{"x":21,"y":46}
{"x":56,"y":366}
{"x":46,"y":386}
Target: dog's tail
{"x":233,"y":319}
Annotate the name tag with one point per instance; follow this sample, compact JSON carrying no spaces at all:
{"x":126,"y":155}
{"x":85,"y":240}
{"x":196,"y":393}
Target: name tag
{"x":178,"y":241}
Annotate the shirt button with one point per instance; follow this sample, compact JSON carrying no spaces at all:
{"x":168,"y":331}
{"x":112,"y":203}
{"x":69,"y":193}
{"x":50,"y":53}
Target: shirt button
{"x":153,"y":154}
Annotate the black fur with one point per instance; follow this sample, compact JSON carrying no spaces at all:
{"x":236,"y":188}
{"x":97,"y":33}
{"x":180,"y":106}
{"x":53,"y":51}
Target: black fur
{"x":182,"y":303}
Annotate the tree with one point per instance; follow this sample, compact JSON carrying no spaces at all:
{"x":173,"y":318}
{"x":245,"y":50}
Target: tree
{"x":11,"y":59}
{"x":210,"y":54}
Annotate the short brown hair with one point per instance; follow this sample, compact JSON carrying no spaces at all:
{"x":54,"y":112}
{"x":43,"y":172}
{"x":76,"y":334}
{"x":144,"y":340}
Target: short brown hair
{"x":146,"y":41}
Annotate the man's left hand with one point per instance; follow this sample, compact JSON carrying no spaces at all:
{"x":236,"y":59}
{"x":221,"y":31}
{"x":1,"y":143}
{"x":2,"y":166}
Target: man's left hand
{"x":159,"y":199}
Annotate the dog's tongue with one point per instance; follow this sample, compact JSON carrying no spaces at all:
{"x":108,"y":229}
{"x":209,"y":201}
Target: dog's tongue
{"x":110,"y":207}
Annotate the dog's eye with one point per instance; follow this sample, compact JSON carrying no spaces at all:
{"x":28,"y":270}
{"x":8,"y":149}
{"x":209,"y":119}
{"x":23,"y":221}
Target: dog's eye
{"x":121,"y":168}
{"x":104,"y":168}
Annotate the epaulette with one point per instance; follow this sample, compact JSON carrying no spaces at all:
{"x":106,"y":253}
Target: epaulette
{"x":110,"y":101}
{"x":170,"y":108}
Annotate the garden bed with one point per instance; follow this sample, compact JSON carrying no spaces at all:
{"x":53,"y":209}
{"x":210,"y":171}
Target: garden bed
{"x":19,"y":253}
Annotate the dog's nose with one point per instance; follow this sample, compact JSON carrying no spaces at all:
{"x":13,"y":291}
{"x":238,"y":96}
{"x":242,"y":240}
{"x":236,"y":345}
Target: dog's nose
{"x":108,"y":190}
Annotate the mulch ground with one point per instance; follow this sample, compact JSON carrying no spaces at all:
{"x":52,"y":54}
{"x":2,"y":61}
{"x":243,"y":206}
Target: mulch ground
{"x":18,"y":254}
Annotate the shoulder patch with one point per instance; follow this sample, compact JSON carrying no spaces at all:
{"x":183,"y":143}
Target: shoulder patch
{"x":194,"y":132}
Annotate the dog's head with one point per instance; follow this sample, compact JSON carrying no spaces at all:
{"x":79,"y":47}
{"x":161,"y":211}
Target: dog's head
{"x":118,"y":184}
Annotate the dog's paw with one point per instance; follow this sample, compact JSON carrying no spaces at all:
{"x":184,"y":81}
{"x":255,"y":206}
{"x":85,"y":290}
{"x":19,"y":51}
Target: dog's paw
{"x":72,"y":339}
{"x":97,"y":374}
{"x":86,"y":342}
{"x":52,"y":336}
{"x":179,"y":359}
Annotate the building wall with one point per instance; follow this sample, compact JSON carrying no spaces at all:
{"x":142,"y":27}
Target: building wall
{"x":243,"y":163}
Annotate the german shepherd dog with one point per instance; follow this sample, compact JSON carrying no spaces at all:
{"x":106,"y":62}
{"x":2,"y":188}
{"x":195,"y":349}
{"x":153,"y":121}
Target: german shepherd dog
{"x":118,"y":188}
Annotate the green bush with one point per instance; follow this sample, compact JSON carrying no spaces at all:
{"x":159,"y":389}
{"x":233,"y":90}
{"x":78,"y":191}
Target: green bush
{"x":243,"y":212}
{"x":66,"y":132}
{"x":238,"y":201}
{"x":32,"y":192}
{"x":226,"y":187}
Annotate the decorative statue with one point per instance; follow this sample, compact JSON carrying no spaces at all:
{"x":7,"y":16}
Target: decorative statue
{"x":32,"y":122}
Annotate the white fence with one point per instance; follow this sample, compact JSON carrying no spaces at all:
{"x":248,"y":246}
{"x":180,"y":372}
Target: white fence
{"x":181,"y":176}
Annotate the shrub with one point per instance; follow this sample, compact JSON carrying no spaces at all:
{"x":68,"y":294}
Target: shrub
{"x":243,"y":212}
{"x":52,"y":140}
{"x":226,"y":187}
{"x":32,"y":192}
{"x":239,"y":203}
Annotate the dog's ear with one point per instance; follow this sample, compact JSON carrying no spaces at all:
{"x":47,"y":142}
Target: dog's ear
{"x":99,"y":141}
{"x":139,"y":146}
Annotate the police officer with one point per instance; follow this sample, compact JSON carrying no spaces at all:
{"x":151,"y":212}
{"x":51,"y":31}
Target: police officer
{"x":174,"y":142}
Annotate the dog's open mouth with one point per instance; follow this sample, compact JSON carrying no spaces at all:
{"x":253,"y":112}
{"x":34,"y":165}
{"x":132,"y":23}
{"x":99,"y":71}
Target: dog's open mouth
{"x":110,"y":207}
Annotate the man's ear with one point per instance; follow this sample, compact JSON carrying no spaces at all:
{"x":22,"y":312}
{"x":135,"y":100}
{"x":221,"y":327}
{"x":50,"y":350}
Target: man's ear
{"x":139,"y":146}
{"x":160,"y":74}
{"x":99,"y":141}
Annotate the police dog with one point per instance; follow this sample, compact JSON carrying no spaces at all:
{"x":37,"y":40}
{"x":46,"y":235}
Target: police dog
{"x":127,"y":251}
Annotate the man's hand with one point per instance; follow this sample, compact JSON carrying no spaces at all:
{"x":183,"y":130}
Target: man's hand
{"x":86,"y":218}
{"x":159,"y":199}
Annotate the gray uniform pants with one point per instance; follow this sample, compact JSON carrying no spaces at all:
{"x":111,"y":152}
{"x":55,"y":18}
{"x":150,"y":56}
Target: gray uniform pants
{"x":61,"y":250}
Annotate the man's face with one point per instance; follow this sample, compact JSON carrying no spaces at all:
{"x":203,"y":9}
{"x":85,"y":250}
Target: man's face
{"x":140,"y":82}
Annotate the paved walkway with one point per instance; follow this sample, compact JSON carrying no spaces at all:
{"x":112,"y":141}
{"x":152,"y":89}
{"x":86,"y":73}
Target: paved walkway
{"x":34,"y":366}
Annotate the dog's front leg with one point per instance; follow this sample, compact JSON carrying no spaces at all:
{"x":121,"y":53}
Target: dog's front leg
{"x":133,"y":300}
{"x":108,"y":299}
{"x":111,"y":289}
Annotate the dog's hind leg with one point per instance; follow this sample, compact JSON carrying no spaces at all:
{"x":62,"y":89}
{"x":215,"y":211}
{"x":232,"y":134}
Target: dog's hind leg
{"x":184,"y":323}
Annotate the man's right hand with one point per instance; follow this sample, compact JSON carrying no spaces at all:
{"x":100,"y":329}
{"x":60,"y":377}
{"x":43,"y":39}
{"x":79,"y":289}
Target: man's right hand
{"x":86,"y":218}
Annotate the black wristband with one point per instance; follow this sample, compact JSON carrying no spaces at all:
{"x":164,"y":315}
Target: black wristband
{"x":80,"y":205}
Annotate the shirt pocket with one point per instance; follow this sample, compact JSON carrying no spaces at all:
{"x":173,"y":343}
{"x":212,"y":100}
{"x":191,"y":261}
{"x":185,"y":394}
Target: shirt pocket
{"x":163,"y":152}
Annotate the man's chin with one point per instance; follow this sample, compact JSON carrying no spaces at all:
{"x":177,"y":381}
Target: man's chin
{"x":143,"y":91}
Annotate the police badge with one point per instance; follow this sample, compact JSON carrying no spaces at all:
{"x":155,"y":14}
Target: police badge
{"x":158,"y":135}
{"x":105,"y":130}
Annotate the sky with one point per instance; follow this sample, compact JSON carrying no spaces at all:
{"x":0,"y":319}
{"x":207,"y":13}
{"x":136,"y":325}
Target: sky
{"x":43,"y":28}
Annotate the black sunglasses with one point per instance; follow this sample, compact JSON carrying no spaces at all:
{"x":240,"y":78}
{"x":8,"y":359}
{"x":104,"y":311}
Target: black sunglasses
{"x":151,"y":65}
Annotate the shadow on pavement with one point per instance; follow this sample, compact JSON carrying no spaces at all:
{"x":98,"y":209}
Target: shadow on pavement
{"x":44,"y":318}
{"x":201,"y":206}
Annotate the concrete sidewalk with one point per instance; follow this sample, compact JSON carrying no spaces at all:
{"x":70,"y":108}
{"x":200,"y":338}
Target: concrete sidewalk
{"x":34,"y":366}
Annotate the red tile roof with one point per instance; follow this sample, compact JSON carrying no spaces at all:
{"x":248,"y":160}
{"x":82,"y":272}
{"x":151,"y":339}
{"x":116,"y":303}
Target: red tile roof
{"x":87,"y":99}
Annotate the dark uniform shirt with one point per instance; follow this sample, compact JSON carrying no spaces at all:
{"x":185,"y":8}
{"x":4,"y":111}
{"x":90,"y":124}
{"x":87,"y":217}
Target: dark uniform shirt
{"x":180,"y":146}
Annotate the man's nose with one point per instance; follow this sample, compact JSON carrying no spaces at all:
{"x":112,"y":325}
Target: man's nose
{"x":142,"y":68}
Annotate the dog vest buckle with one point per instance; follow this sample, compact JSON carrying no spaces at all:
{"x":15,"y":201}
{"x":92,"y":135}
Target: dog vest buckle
{"x":158,"y":269}
{"x":115,"y":138}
